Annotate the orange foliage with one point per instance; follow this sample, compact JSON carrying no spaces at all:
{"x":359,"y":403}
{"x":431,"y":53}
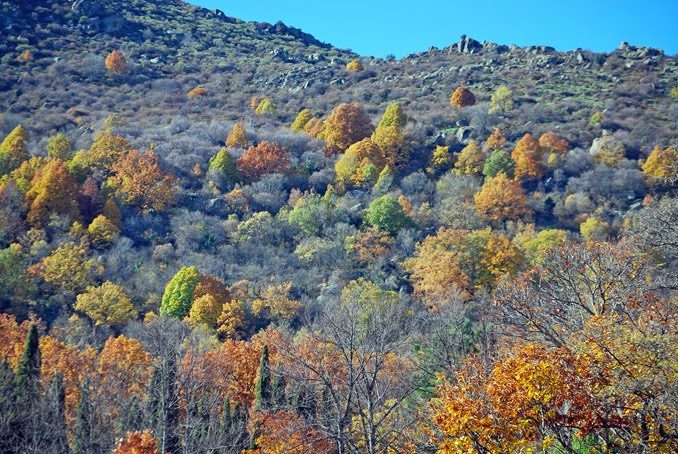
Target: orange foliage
{"x":124,"y":367}
{"x":197,"y":92}
{"x":287,"y":433}
{"x":528,"y":156}
{"x":346,"y":125}
{"x":267,"y":157}
{"x":116,"y":62}
{"x":53,"y":191}
{"x":13,"y":337}
{"x":462,"y":97}
{"x":369,"y":244}
{"x":138,"y":443}
{"x":496,"y":140}
{"x":73,"y":364}
{"x":501,"y":199}
{"x":314,"y":127}
{"x":236,"y":365}
{"x":436,"y":268}
{"x":551,"y":143}
{"x":521,"y":403}
{"x":138,"y":180}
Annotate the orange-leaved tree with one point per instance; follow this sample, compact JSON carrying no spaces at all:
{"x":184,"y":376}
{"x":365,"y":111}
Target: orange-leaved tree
{"x":462,"y":97}
{"x":528,"y":155}
{"x":116,"y":62}
{"x":53,"y":191}
{"x":346,"y":125}
{"x":139,"y":181}
{"x":502,"y":199}
{"x":267,"y":157}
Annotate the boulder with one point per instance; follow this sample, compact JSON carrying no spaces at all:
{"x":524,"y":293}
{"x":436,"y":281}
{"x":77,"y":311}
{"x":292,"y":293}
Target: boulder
{"x":468,"y":45}
{"x":89,"y":8}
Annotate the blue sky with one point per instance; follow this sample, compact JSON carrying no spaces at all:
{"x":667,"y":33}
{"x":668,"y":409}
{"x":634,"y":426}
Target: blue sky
{"x":379,"y":27}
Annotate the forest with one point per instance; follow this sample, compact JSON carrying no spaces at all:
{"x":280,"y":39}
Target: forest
{"x":211,"y":259}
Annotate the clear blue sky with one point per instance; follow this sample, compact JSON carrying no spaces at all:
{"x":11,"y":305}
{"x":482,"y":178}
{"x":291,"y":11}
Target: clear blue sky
{"x":380,"y":27}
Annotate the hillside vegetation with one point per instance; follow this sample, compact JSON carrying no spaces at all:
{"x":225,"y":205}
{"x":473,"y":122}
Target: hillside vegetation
{"x":223,"y":236}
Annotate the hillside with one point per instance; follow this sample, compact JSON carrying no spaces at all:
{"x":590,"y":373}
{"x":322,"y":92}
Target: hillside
{"x":230,"y":237}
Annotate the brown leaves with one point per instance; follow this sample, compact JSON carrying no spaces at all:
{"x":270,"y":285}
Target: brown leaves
{"x":265,"y":158}
{"x":138,"y":180}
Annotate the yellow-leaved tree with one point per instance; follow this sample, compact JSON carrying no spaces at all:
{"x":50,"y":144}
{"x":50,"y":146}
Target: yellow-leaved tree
{"x":106,"y":305}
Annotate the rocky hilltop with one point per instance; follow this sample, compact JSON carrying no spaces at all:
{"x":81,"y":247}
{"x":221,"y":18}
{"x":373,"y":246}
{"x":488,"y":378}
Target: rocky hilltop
{"x":173,"y":47}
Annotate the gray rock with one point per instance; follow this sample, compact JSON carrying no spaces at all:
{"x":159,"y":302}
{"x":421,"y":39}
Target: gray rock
{"x":315,"y":57}
{"x":279,"y":54}
{"x":468,"y":45}
{"x":463,"y":134}
{"x":89,"y":8}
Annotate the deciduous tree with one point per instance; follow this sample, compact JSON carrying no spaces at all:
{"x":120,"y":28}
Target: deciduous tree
{"x":501,"y":100}
{"x":346,"y":125}
{"x":501,"y":199}
{"x":13,"y":150}
{"x":178,"y":296}
{"x":53,"y":191}
{"x":387,"y":214}
{"x":237,"y":138}
{"x":138,"y":180}
{"x":462,"y":97}
{"x":106,"y":305}
{"x":471,"y":160}
{"x":116,"y":62}
{"x":528,"y":155}
{"x":267,"y":157}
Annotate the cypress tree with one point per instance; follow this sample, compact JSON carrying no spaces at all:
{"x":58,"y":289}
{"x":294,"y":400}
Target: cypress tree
{"x":56,"y":415}
{"x":263,"y":388}
{"x":226,"y":422}
{"x":9,"y":415}
{"x":239,"y":433}
{"x":83,"y":432}
{"x":27,"y":391}
{"x":28,"y":369}
{"x":278,"y":389}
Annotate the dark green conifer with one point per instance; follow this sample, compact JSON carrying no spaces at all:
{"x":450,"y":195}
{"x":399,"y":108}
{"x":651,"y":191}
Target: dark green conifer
{"x":278,"y":397}
{"x":263,"y":387}
{"x":28,"y":369}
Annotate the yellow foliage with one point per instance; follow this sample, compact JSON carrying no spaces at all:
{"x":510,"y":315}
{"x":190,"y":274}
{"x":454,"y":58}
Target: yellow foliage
{"x":205,"y":310}
{"x":301,"y":121}
{"x":593,"y":229}
{"x":265,"y":107}
{"x":67,"y":267}
{"x":661,"y":166}
{"x":391,"y":141}
{"x":355,"y":66}
{"x":237,"y":138}
{"x":441,"y":159}
{"x":501,"y":199}
{"x":106,"y":305}
{"x":470,"y":161}
{"x":502,"y":100}
{"x":102,"y":232}
{"x":275,"y":302}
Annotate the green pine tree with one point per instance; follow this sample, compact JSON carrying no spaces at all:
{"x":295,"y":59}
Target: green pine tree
{"x":278,"y":397}
{"x":55,"y":419}
{"x":84,"y":432}
{"x":263,"y":388}
{"x":28,"y":369}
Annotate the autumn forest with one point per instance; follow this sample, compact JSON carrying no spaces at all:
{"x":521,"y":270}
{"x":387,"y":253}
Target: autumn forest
{"x":225,"y":237}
